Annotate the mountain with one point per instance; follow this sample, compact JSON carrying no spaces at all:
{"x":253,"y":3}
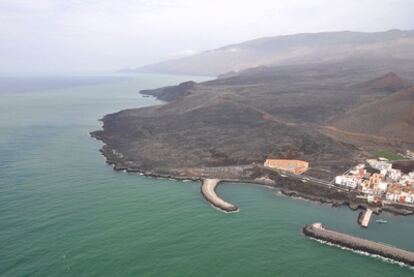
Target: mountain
{"x":292,"y":50}
{"x":311,"y":112}
{"x":391,"y":117}
{"x":388,"y":82}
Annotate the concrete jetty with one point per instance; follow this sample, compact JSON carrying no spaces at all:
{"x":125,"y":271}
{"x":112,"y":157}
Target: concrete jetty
{"x":318,"y":231}
{"x":208,"y":190}
{"x":364,"y":218}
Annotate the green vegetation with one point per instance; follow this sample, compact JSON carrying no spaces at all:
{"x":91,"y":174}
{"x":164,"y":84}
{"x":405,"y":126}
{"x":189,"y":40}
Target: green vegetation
{"x":388,"y":154}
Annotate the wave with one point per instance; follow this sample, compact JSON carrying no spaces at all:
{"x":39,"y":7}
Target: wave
{"x":364,"y":253}
{"x":223,"y":211}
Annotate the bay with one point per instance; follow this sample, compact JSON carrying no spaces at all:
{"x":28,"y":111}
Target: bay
{"x":64,"y":212}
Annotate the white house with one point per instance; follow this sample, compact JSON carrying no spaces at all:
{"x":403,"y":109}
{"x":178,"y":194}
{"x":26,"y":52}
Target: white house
{"x":383,"y":186}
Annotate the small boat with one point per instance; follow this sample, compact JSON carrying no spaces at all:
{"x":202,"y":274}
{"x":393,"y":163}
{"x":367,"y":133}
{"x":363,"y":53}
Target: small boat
{"x":382,"y":221}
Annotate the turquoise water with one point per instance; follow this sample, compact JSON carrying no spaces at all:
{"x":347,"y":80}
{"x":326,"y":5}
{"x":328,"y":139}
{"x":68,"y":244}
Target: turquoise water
{"x":64,"y":212}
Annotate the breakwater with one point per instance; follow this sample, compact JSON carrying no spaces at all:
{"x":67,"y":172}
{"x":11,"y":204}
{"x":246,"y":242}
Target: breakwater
{"x":318,"y":231}
{"x":208,"y":190}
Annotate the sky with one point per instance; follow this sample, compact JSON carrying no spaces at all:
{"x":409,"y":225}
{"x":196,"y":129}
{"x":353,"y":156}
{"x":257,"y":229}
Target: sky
{"x":102,"y":36}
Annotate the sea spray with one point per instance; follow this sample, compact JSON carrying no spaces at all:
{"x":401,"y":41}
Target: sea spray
{"x":363,"y":253}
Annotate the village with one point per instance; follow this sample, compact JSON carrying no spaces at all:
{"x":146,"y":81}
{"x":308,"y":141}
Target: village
{"x":379,"y":182}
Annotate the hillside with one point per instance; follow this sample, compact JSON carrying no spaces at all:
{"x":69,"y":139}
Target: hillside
{"x":285,"y":111}
{"x":292,"y":50}
{"x":392,"y":116}
{"x":388,"y":82}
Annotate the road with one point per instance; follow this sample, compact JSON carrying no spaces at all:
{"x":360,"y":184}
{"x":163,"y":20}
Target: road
{"x":304,"y":178}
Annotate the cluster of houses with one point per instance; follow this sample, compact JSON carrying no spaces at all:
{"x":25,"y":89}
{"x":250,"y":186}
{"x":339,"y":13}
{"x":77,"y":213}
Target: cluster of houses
{"x":378,"y":180}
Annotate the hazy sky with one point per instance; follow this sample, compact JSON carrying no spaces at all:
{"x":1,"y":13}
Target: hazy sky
{"x":94,"y":36}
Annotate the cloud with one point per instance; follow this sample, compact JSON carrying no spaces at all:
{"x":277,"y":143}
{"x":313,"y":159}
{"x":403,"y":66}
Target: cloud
{"x":181,"y":54}
{"x":105,"y":35}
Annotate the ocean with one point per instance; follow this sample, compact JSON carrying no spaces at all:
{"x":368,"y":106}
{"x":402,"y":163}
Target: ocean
{"x":64,"y":212}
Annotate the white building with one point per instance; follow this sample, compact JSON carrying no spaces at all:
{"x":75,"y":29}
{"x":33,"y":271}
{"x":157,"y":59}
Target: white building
{"x":346,"y":181}
{"x":392,"y":197}
{"x":383,"y":186}
{"x":404,"y":197}
{"x":409,"y":199}
{"x":338,"y":180}
{"x":379,"y":165}
{"x":395,"y":174}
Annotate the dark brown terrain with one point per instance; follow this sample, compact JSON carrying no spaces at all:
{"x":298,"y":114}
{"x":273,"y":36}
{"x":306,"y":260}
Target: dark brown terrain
{"x":329,"y":115}
{"x":389,"y":117}
{"x":332,"y":114}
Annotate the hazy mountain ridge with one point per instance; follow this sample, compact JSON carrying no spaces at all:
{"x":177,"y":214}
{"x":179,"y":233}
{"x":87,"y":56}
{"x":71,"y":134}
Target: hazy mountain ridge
{"x":290,"y":50}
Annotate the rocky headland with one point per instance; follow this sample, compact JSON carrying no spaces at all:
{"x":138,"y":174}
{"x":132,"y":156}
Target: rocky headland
{"x":225,"y":128}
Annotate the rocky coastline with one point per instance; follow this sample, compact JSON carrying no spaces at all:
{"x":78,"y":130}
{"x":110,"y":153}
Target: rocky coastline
{"x":215,"y":130}
{"x":252,"y":174}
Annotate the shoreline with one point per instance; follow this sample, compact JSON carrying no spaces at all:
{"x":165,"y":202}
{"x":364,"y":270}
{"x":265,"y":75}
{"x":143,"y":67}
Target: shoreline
{"x":287,"y":187}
